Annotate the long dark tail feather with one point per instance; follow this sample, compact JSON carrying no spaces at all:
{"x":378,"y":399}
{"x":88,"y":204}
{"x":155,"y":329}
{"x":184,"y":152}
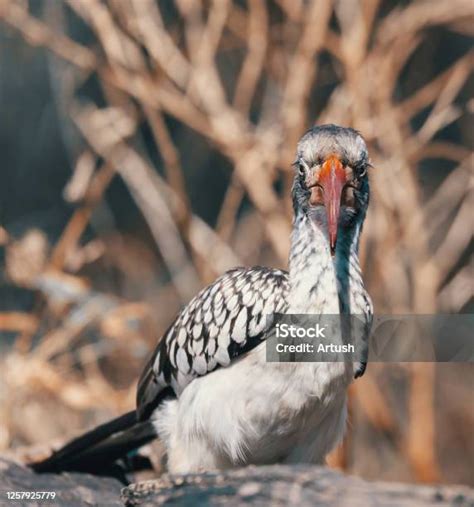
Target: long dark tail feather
{"x":98,"y":450}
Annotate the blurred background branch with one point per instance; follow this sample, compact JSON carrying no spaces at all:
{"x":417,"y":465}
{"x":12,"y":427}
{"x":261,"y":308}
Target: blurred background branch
{"x":154,"y":152}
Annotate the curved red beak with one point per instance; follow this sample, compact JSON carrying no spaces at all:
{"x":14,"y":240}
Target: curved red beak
{"x":332,"y":180}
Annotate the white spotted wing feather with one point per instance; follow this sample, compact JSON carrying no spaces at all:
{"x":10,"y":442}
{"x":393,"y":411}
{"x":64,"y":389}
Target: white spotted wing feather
{"x":225,"y":320}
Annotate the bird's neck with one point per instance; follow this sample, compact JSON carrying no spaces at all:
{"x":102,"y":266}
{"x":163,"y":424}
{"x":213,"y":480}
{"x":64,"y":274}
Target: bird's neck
{"x":319,"y":282}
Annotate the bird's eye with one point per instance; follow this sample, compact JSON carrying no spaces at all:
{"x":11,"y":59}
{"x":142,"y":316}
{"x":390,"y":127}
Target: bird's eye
{"x":301,"y":170}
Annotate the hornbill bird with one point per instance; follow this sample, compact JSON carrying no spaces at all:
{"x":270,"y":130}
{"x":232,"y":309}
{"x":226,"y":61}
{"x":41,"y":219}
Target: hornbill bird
{"x":208,"y":392}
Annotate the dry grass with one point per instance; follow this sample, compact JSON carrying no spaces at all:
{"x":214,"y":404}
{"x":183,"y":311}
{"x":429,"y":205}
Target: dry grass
{"x":150,"y":71}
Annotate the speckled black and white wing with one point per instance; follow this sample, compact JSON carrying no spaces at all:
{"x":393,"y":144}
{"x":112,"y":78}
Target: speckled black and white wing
{"x":225,"y":320}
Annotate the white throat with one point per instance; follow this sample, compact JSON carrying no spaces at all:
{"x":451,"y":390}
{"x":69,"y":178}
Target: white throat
{"x":319,"y":282}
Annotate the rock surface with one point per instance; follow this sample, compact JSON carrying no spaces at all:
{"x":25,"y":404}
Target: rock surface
{"x":72,"y":490}
{"x":278,"y":485}
{"x":281,"y":485}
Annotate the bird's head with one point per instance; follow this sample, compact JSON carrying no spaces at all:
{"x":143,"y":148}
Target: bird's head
{"x":331,"y":185}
